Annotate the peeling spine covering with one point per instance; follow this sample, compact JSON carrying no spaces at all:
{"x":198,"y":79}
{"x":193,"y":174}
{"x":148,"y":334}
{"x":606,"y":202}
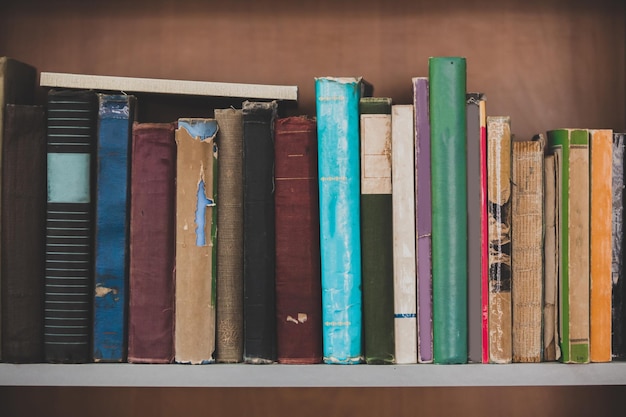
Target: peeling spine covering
{"x":196,"y":231}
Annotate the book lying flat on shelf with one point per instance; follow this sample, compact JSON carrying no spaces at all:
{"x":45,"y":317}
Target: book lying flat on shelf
{"x":166,"y":86}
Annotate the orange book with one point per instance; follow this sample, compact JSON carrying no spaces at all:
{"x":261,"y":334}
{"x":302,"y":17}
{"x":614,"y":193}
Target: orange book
{"x":600,"y":249}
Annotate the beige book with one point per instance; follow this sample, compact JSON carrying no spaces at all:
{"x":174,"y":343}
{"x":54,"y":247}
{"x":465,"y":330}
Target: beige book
{"x":196,"y":162}
{"x":499,"y":197}
{"x":527,"y":249}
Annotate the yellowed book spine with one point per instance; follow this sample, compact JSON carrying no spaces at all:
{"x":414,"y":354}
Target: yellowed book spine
{"x":601,"y":148}
{"x":527,"y":250}
{"x":499,"y":197}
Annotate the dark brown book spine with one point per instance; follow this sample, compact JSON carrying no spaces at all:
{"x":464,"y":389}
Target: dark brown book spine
{"x":152,"y":244}
{"x":258,"y":242}
{"x":298,"y":285}
{"x":23,"y":225}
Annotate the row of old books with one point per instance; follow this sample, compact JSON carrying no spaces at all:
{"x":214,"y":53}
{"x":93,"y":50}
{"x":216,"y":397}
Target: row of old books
{"x":375,"y":232}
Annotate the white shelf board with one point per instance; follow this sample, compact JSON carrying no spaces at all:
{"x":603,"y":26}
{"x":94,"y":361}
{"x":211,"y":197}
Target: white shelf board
{"x":244,"y":375}
{"x":166,"y":86}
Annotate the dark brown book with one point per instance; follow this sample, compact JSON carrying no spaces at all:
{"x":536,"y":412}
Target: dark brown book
{"x":298,"y":285}
{"x":152,"y":243}
{"x":23,"y":225}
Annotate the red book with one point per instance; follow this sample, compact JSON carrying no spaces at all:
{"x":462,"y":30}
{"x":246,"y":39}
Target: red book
{"x":152,"y":244}
{"x":298,"y":285}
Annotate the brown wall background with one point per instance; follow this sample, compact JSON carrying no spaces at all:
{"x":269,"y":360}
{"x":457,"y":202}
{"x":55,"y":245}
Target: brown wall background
{"x":547,"y":64}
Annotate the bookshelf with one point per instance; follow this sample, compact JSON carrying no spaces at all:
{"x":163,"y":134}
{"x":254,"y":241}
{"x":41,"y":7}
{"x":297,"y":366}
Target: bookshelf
{"x":546,"y":63}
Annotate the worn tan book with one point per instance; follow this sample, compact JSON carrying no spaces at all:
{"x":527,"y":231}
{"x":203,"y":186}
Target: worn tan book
{"x":196,"y":229}
{"x":551,"y":350}
{"x":527,"y":249}
{"x":499,"y":201}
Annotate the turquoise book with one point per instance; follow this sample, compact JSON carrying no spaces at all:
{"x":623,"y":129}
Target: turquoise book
{"x":447,"y":77}
{"x":115,"y":118}
{"x":337,"y":107}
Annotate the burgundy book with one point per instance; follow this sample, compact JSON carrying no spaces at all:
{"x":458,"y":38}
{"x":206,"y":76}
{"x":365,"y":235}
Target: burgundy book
{"x":152,"y":244}
{"x":298,"y":285}
{"x":23,"y":225}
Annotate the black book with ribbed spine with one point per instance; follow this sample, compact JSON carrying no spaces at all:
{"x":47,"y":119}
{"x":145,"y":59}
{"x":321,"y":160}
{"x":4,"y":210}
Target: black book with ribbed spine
{"x":71,"y":139}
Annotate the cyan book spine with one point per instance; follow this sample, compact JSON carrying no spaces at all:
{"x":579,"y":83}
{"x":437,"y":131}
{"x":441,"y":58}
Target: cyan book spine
{"x":447,"y":77}
{"x":115,"y":117}
{"x":337,"y":104}
{"x":69,"y":226}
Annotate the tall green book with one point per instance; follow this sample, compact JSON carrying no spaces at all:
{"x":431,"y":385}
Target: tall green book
{"x":571,"y":156}
{"x":448,"y":128}
{"x":376,"y":230}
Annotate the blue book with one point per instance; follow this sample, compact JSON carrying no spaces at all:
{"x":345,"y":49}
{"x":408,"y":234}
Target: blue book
{"x":115,"y":117}
{"x":337,"y":103}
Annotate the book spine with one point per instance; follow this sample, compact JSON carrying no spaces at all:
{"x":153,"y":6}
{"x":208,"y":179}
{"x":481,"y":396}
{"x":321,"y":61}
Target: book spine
{"x":404,"y":233}
{"x":23,"y":214}
{"x":551,"y":350}
{"x":376,"y":230}
{"x":571,"y":150}
{"x":447,"y":77}
{"x":499,"y":194}
{"x":298,"y":287}
{"x":17,"y":86}
{"x":475,"y":236}
{"x":259,"y":247}
{"x":196,"y":232}
{"x":618,"y":290}
{"x":229,"y":326}
{"x":115,"y":117}
{"x":423,"y":220}
{"x":337,"y":104}
{"x":72,"y":117}
{"x":527,"y":250}
{"x":152,"y":244}
{"x":601,"y":156}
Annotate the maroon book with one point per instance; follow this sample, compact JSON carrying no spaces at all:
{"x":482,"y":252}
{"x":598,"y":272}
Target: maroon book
{"x":152,"y":244}
{"x":298,"y":286}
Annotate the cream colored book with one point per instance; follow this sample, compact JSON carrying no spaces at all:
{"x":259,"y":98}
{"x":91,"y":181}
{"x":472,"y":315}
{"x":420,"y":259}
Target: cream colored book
{"x":166,"y":86}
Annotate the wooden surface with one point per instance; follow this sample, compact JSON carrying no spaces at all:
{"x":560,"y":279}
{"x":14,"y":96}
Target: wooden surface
{"x":312,"y":402}
{"x":547,"y":64}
